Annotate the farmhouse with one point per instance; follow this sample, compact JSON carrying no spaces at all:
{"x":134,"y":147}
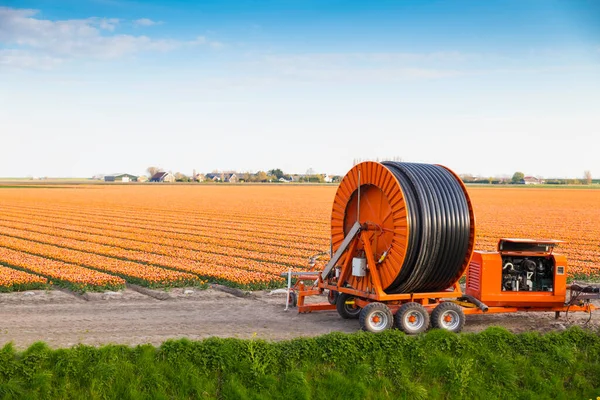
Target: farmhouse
{"x":214,"y":176}
{"x":162,"y":177}
{"x":531,"y":180}
{"x":222,"y":177}
{"x":120,"y":178}
{"x":231,"y":178}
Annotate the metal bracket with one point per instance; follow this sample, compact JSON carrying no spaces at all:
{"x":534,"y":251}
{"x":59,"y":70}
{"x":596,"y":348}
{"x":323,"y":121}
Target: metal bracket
{"x":338,"y":254}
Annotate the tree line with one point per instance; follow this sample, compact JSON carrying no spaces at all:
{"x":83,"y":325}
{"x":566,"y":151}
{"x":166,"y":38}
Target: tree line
{"x":272,"y":175}
{"x":519,"y":178}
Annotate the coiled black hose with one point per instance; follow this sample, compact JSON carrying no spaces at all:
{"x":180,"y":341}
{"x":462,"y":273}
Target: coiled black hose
{"x":439,"y":227}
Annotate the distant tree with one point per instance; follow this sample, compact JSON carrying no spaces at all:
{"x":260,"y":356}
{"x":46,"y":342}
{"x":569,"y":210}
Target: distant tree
{"x":153,"y":170}
{"x":517,"y":177}
{"x":467,"y":177}
{"x":261,"y":176}
{"x":587,"y":177}
{"x":246,"y":177}
{"x":179,"y":177}
{"x":317,"y":178}
{"x":276,"y":172}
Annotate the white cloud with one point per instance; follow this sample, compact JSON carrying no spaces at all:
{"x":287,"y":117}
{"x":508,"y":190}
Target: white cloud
{"x":108,"y":24}
{"x":29,"y":41}
{"x":203,"y":41}
{"x":146,"y":22}
{"x":22,"y":59}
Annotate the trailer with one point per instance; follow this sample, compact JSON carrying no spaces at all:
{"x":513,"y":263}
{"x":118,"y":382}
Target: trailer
{"x":403,"y":235}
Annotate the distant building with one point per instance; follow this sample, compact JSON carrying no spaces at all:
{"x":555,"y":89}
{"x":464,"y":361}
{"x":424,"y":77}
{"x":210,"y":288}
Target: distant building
{"x":142,"y":178}
{"x":214,"y":176}
{"x":231,"y":178}
{"x":531,"y":180}
{"x":198,"y":178}
{"x":162,"y":177}
{"x":120,"y":178}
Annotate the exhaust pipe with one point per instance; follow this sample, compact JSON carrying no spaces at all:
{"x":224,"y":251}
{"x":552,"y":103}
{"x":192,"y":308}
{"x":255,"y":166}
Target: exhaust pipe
{"x":475,"y":301}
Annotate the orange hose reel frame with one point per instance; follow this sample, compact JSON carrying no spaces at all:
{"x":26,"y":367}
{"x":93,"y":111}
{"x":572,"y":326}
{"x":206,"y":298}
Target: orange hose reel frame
{"x":382,"y":203}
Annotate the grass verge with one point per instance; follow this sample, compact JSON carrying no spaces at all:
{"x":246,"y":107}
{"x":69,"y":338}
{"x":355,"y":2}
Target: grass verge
{"x":493,"y":364}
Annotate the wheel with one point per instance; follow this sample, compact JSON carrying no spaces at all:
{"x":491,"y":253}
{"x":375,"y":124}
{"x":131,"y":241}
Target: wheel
{"x":376,"y":317}
{"x":292,"y":299}
{"x":332,"y":297}
{"x":412,"y":318}
{"x":448,"y":316}
{"x":345,"y":306}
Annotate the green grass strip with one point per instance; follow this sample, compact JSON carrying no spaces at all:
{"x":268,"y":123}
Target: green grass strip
{"x":493,"y":364}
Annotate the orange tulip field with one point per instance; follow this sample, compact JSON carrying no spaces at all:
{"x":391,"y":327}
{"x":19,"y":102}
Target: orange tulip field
{"x":98,"y":237}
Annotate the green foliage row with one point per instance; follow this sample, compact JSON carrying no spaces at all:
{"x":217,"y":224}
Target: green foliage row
{"x":493,"y":364}
{"x":52,"y":281}
{"x":273,"y":284}
{"x":21,"y":287}
{"x":592,"y":276}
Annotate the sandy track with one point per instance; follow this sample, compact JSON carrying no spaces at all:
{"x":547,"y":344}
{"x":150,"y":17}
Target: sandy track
{"x":62,"y":319}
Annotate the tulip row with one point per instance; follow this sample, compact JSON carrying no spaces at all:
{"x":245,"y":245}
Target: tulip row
{"x":264,"y":276}
{"x":204,"y":252}
{"x":276,"y":218}
{"x":144,"y":252}
{"x":253,"y":237}
{"x":142,"y":274}
{"x":64,"y":274}
{"x":15,"y":280}
{"x":303,"y":232}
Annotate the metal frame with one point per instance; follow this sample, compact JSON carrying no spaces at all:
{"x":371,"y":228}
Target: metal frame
{"x":375,"y":292}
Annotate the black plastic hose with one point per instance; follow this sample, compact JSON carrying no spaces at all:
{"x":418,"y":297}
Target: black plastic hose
{"x":439,"y":227}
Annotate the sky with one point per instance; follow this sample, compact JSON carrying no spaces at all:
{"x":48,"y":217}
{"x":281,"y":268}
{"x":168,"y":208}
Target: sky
{"x":484,"y":87}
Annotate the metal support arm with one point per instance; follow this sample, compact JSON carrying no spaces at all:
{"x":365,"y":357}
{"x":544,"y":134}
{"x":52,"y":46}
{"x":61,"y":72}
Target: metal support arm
{"x":340,"y":251}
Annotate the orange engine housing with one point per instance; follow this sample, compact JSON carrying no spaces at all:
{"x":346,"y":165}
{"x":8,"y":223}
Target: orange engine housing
{"x":507,"y":277}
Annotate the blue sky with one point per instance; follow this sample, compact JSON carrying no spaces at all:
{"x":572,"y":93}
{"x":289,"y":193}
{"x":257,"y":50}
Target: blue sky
{"x":486,"y":88}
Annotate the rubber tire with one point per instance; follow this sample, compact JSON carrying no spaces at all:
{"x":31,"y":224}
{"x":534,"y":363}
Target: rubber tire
{"x":332,"y":297}
{"x":366,"y":314}
{"x":437,"y":316}
{"x":293,"y":302}
{"x":343,"y":310}
{"x":411,"y":307}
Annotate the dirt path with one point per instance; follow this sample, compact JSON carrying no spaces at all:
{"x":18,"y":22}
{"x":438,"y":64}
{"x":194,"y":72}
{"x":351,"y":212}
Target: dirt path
{"x":129,"y":317}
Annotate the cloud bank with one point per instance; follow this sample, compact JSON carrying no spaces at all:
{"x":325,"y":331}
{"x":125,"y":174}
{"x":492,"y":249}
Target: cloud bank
{"x":27,"y":41}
